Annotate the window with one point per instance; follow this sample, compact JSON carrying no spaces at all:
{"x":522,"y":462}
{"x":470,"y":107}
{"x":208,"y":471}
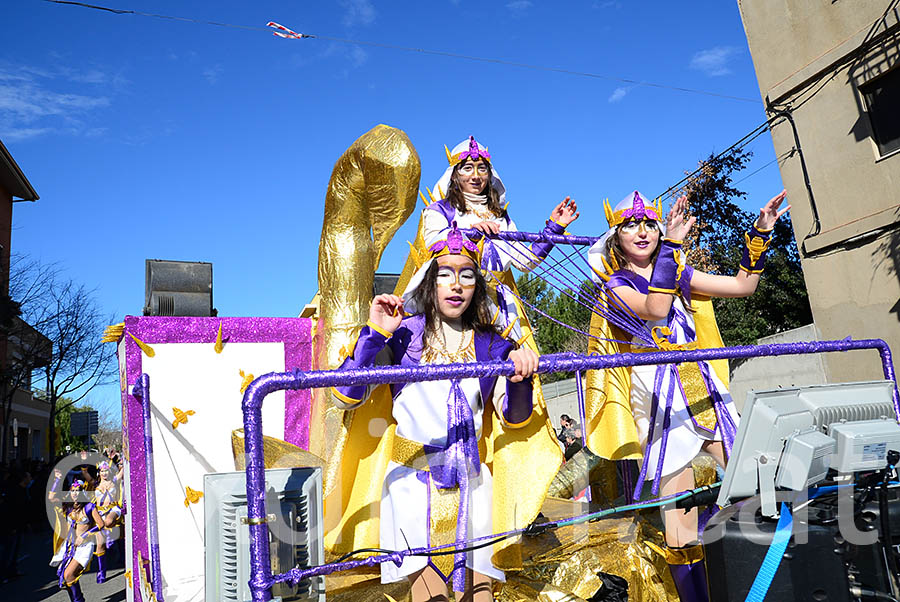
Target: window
{"x":882,"y":99}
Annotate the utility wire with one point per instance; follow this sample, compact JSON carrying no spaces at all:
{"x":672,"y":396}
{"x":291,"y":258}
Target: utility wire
{"x":466,"y":57}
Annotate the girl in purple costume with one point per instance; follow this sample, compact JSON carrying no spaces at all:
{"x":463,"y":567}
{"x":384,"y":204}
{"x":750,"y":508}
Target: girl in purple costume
{"x":649,"y":274}
{"x":439,"y":423}
{"x":75,"y":555}
{"x":473,"y":195}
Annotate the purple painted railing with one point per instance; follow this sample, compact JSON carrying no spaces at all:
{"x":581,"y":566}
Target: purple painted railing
{"x":262,"y":579}
{"x":565,"y":239}
{"x":142,"y":391}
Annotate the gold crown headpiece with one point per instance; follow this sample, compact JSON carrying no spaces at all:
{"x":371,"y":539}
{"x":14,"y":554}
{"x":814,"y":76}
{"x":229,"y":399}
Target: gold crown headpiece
{"x":457,"y":243}
{"x":474,"y":152}
{"x":640,"y":209}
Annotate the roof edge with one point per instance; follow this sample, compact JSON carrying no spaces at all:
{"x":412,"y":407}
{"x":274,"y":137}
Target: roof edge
{"x":21,"y":187}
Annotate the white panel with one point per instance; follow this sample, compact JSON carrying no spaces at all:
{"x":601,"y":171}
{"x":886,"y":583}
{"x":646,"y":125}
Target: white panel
{"x":192,"y":376}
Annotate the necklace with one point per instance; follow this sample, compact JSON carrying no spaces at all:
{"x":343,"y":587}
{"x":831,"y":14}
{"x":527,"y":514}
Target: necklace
{"x":436,"y":351}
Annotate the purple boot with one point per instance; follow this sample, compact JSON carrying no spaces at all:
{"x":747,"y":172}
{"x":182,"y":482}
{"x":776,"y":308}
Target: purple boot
{"x":688,"y":569}
{"x":75,"y":594}
{"x":101,"y":567}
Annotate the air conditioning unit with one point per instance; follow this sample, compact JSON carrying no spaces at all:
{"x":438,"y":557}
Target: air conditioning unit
{"x":294,"y":508}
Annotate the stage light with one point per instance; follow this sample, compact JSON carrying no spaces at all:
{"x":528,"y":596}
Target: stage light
{"x":178,"y":288}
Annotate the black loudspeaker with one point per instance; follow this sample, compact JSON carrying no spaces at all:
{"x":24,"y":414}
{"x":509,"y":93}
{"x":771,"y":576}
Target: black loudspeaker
{"x":820,"y":570}
{"x":812,"y":572}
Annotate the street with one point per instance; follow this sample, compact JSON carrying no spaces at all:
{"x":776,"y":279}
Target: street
{"x":39,"y":582}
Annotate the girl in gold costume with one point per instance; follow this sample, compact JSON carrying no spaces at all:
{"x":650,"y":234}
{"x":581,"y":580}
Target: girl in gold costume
{"x":677,"y":410}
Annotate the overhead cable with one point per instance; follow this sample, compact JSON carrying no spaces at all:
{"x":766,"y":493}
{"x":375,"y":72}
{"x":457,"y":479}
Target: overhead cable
{"x":289,"y":34}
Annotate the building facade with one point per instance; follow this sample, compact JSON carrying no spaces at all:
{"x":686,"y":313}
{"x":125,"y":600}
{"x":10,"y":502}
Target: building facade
{"x":828,"y":73}
{"x":24,"y":418}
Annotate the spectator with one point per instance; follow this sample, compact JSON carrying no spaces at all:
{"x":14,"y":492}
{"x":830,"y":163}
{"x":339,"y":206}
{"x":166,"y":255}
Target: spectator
{"x":16,"y":509}
{"x":564,"y":422}
{"x":573,"y":445}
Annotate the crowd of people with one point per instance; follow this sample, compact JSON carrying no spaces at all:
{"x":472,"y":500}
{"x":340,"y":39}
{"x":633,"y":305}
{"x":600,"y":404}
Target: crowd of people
{"x":21,"y":484}
{"x":24,"y":488}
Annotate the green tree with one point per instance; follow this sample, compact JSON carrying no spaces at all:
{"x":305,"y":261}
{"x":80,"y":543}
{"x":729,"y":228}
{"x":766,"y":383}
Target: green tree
{"x":552,"y":337}
{"x":716,"y":243}
{"x":63,"y":424}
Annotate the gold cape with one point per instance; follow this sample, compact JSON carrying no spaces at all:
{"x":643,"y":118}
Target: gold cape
{"x":355,"y":473}
{"x":609,"y":423}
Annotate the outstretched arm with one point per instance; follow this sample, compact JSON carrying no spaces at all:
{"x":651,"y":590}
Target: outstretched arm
{"x":744,"y":283}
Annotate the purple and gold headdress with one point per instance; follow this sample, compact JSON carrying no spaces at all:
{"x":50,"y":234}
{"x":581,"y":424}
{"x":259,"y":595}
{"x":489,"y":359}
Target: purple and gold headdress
{"x":77,"y":485}
{"x":474,"y":152}
{"x":456,"y":243}
{"x":637,"y":210}
{"x":452,"y":242}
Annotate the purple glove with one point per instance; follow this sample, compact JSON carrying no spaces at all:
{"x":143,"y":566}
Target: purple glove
{"x":542,"y":248}
{"x":665,"y":271}
{"x":756,"y":245}
{"x":519,"y":403}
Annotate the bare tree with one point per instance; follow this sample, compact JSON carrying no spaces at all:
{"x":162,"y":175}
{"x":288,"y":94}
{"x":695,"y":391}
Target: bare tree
{"x":68,"y":316}
{"x":24,"y":347}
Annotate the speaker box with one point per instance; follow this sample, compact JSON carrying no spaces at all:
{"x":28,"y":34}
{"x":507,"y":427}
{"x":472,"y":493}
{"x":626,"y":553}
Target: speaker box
{"x":820,"y":570}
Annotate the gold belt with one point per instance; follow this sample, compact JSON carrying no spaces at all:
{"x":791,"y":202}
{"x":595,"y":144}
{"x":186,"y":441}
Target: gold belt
{"x":444,"y":507}
{"x":409,"y":453}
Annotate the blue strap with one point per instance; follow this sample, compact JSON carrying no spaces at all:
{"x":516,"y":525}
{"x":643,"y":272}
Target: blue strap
{"x":770,"y":563}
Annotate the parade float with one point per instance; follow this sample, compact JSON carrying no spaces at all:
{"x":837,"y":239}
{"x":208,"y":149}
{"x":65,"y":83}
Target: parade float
{"x":242,"y":478}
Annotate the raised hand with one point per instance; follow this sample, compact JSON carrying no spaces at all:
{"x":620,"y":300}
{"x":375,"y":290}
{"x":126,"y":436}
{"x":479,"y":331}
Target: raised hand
{"x":565,"y":213}
{"x":386,"y":312}
{"x":769,"y":214}
{"x":677,"y":227}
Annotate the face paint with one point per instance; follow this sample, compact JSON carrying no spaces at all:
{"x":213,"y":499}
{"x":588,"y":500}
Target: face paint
{"x":449,"y":276}
{"x":632,"y":227}
{"x":468,"y":168}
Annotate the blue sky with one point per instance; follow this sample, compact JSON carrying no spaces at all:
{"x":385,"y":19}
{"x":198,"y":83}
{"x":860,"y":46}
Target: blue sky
{"x":150,"y":138}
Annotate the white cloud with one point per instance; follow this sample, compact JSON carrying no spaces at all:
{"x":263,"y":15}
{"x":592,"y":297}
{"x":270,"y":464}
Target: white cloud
{"x":14,"y":134}
{"x":211,"y":74}
{"x":518,"y":6}
{"x":358,"y":12}
{"x":714,"y":61}
{"x":31,"y":106}
{"x":617,"y":95}
{"x":355,"y":55}
{"x":358,"y":56}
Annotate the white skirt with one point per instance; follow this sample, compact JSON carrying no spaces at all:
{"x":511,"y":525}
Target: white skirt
{"x":83,"y":553}
{"x":685,"y":437}
{"x":405,"y":515}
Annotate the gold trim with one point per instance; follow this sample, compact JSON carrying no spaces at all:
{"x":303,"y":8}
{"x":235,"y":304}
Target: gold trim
{"x":686,"y":555}
{"x":113,"y":332}
{"x":749,"y":271}
{"x":378,"y":329}
{"x":246,"y":379}
{"x":344,"y":398}
{"x":147,"y":349}
{"x":656,"y":289}
{"x":219,"y":344}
